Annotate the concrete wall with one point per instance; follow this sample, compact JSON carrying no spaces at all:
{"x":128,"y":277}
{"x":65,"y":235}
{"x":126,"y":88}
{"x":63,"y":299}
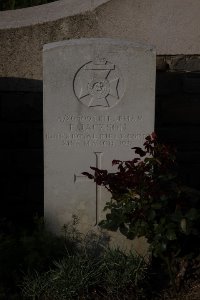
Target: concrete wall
{"x":171,"y":25}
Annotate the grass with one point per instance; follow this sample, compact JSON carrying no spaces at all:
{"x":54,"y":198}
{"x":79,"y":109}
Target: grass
{"x":35,"y":264}
{"x":113,"y":275}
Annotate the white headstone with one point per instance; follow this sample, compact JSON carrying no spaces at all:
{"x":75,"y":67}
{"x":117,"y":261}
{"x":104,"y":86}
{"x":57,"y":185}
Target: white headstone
{"x":99,"y":97}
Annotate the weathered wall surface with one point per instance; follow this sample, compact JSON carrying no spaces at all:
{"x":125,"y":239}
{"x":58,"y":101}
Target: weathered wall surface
{"x":172,"y":26}
{"x":21,"y":48}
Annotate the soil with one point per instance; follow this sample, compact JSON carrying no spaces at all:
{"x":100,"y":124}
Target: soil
{"x":191,"y":292}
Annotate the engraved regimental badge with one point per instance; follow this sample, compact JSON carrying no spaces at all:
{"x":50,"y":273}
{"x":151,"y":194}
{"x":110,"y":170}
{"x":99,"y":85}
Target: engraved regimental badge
{"x":99,"y":84}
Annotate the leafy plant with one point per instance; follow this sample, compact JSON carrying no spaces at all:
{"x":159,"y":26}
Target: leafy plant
{"x":147,"y":199}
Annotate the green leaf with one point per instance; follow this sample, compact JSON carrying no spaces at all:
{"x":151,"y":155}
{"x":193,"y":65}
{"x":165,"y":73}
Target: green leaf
{"x":163,"y":198}
{"x":192,"y":214}
{"x":151,"y":214}
{"x":156,"y":205}
{"x":171,"y":235}
{"x":183,"y":225}
{"x":112,"y":226}
{"x":131,"y":235}
{"x":163,"y":246}
{"x":123,"y":229}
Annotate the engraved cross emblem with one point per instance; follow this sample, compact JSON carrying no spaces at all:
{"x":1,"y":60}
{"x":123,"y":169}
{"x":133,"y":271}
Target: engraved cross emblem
{"x":98,"y":84}
{"x":82,"y":178}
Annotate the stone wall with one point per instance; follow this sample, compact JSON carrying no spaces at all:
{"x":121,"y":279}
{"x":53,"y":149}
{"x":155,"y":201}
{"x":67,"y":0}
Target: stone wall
{"x":172,"y":26}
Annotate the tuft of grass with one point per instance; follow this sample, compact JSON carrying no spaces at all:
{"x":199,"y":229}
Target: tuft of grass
{"x":36,"y":264}
{"x":124,"y":274}
{"x":111,"y":275}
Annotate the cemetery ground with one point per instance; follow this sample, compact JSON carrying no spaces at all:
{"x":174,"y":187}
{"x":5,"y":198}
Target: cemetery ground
{"x":35,"y":264}
{"x":38,"y":265}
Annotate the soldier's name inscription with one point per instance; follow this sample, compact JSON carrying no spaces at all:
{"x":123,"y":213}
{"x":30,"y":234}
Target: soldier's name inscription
{"x":101,"y":130}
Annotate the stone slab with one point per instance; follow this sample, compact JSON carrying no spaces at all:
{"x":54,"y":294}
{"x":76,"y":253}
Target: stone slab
{"x":99,"y":98}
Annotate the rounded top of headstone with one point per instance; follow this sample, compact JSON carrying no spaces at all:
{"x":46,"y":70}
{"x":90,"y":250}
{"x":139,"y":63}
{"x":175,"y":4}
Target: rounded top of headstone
{"x":93,"y":41}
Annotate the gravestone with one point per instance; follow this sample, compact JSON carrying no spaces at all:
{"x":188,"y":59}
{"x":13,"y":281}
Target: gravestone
{"x":98,"y":104}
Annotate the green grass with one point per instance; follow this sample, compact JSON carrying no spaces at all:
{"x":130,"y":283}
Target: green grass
{"x":35,"y":264}
{"x":112,"y":275}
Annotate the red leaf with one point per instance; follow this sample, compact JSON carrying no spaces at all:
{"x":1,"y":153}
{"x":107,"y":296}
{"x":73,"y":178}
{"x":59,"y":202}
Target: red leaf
{"x":135,"y":160}
{"x":95,"y":169}
{"x":115,"y":162}
{"x":139,"y":151}
{"x":90,"y":176}
{"x":154,"y":136}
{"x":148,"y":138}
